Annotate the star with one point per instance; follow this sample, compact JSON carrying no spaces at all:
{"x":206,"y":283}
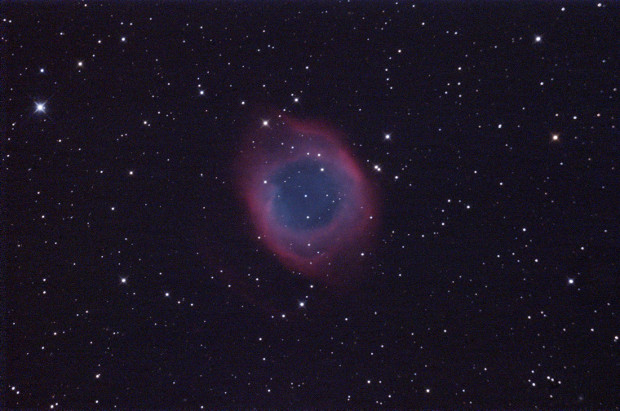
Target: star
{"x":555,"y":137}
{"x":387,"y":136}
{"x":265,"y":123}
{"x":538,"y":39}
{"x":39,"y":107}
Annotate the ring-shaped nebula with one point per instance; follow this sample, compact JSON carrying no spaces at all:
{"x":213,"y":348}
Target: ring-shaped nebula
{"x":309,"y":200}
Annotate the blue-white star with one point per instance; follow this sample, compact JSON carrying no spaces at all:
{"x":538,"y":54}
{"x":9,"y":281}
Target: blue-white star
{"x":39,"y":107}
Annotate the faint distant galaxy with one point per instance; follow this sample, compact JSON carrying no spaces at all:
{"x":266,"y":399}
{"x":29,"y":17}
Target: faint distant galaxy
{"x":309,"y":200}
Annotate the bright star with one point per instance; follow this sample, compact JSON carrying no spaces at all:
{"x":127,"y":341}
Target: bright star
{"x":40,"y":107}
{"x":538,"y":39}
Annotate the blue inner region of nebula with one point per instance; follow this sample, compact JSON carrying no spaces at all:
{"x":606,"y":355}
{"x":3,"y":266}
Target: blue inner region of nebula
{"x":307,"y":195}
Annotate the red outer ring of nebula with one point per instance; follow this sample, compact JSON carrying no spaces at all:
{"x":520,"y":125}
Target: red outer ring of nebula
{"x":336,"y":252}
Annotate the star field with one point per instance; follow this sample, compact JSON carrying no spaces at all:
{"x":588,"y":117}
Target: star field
{"x":134,"y":278}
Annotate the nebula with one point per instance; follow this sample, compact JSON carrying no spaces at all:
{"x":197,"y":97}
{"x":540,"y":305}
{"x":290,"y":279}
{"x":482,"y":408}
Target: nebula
{"x":309,"y":200}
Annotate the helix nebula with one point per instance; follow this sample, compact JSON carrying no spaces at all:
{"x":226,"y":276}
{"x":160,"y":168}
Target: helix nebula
{"x":309,"y":200}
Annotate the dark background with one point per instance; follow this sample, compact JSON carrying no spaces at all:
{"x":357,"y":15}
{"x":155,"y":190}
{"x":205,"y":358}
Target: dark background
{"x":131,"y":278}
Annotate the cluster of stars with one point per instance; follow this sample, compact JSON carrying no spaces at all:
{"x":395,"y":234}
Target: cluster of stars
{"x":125,"y":194}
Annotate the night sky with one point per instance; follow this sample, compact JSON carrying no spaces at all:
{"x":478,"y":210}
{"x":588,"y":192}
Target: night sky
{"x":144,"y":267}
